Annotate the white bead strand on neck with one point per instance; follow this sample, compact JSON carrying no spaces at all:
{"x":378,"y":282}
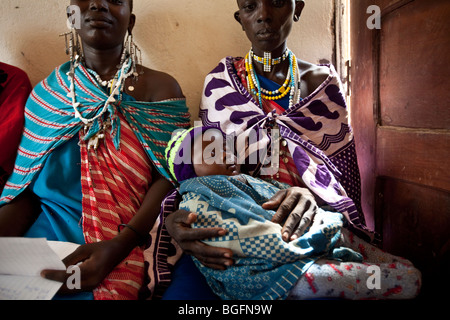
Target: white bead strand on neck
{"x":117,"y":86}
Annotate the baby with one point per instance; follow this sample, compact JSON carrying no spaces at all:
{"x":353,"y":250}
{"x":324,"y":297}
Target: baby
{"x":198,"y":152}
{"x":266,"y":267}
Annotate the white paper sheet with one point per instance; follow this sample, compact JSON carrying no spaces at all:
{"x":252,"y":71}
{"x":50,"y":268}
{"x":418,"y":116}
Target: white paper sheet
{"x":27,"y":288}
{"x":22,"y":260}
{"x":62,"y":249}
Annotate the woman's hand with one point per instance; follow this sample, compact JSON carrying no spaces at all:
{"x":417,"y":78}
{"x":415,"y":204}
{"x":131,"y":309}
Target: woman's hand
{"x":179,"y":223}
{"x":297,"y":207}
{"x":96,"y":261}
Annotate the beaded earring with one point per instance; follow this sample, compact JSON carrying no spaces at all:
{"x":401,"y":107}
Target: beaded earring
{"x":131,"y":50}
{"x":73,"y":49}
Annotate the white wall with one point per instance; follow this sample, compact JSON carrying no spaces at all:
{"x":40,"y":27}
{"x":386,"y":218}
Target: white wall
{"x":185,"y":38}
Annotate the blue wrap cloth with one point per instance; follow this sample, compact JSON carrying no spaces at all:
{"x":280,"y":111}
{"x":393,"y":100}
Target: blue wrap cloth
{"x":266,"y":267}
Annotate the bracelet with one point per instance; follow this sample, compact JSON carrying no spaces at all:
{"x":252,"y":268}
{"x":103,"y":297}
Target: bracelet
{"x":142,"y":239}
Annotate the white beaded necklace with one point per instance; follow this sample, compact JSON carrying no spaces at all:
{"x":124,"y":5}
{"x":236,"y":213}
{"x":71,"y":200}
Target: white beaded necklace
{"x":103,"y":83}
{"x":267,"y":60}
{"x":116,"y":86}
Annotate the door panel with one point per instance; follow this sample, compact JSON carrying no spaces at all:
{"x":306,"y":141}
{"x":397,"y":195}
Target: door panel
{"x":417,"y":229}
{"x":401,"y":119}
{"x":420,"y":33}
{"x":417,"y":156}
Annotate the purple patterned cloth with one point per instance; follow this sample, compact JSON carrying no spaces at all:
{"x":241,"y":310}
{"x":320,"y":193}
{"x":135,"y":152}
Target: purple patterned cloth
{"x":317,"y":131}
{"x":161,"y":252}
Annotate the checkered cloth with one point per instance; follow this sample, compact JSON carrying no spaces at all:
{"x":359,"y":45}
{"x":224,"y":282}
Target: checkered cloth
{"x":265,"y":266}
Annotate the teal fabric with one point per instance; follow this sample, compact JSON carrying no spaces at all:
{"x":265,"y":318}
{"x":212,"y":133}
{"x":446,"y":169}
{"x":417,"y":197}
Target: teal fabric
{"x":58,"y":187}
{"x":50,"y":121}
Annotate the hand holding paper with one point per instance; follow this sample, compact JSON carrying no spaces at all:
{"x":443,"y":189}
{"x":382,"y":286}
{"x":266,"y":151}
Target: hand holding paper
{"x":21,"y":262}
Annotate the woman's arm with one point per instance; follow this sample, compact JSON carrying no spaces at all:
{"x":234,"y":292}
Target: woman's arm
{"x":99,"y":259}
{"x":178,"y":225}
{"x":296,"y":209}
{"x":18,"y":216}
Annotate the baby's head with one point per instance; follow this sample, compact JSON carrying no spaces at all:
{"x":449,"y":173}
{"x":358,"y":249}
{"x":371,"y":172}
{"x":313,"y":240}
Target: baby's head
{"x":198,"y":152}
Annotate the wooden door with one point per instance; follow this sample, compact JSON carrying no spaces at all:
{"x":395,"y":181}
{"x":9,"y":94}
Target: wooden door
{"x":400,"y":102}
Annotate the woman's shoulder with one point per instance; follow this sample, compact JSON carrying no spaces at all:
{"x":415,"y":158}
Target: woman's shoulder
{"x":314,"y":71}
{"x":153,"y":85}
{"x":313,"y":75}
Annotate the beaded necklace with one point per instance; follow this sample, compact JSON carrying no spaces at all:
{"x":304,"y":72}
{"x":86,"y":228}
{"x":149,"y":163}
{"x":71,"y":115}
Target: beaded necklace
{"x":116,"y":88}
{"x":116,"y":85}
{"x":103,"y":83}
{"x":291,"y":85}
{"x":267,"y":60}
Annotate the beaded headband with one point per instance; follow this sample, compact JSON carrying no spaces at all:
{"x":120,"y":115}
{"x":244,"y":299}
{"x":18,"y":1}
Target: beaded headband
{"x":181,"y":142}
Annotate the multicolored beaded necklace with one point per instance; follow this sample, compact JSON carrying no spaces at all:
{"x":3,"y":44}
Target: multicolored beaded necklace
{"x":290,"y":85}
{"x":267,"y":60}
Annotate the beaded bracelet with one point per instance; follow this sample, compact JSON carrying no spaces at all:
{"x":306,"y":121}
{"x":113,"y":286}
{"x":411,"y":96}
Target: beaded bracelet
{"x":142,"y":239}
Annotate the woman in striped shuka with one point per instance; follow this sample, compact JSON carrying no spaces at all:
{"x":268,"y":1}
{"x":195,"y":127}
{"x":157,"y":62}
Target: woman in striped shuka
{"x":89,"y":167}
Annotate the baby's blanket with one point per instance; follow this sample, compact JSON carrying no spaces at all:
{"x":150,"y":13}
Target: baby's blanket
{"x":265,"y":266}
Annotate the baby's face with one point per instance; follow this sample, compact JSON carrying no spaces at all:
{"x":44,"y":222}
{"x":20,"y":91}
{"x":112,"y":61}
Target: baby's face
{"x":212,"y":160}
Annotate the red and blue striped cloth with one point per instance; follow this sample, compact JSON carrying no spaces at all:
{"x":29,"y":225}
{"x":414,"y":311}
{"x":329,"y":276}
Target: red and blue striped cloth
{"x":116,"y":176}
